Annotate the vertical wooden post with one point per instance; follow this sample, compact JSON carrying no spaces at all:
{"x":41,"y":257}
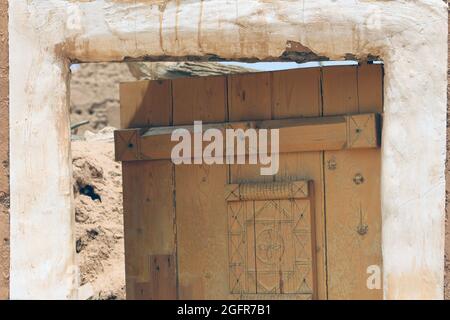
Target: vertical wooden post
{"x":352,"y":184}
{"x":296,"y":93}
{"x":148,"y":198}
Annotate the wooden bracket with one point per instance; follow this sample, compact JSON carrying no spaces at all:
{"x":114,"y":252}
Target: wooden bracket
{"x":363,"y":130}
{"x":127,"y":144}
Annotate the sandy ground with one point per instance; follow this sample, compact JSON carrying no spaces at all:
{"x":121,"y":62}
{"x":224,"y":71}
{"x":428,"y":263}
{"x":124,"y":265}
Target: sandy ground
{"x":99,"y":217}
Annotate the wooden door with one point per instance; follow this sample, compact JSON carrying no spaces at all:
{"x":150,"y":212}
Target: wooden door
{"x":225,"y":231}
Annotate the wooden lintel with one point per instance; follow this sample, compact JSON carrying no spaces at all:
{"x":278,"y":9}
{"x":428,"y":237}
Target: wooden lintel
{"x":295,"y":135}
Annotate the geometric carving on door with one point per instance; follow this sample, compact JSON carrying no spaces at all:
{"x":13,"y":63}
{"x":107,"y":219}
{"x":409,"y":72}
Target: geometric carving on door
{"x":363,"y":130}
{"x":271,"y":241}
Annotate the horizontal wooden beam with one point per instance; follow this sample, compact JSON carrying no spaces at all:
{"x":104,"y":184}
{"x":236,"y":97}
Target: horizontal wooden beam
{"x":295,"y":135}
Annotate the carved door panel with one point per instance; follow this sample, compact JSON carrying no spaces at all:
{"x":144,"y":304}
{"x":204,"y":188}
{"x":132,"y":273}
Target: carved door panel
{"x":270,"y":239}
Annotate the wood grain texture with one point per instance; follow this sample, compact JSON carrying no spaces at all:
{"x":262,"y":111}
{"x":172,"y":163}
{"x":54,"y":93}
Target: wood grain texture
{"x":271,"y":241}
{"x":295,"y":135}
{"x":318,"y":266}
{"x":200,"y":204}
{"x":293,"y":94}
{"x":202,"y":231}
{"x":148,"y":194}
{"x":222,"y":238}
{"x":353,"y":222}
{"x":149,"y":219}
{"x":145,"y":103}
{"x":370,"y":88}
{"x":297,"y":93}
{"x":201,"y":98}
{"x":249,"y":98}
{"x":161,"y":284}
{"x":352,"y":184}
{"x":340,"y":90}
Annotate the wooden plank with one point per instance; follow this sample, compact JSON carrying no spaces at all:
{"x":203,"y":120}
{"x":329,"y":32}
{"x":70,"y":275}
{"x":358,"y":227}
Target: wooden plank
{"x":370,"y":88}
{"x":162,"y":285}
{"x":201,"y":98}
{"x":316,"y":268}
{"x":297,"y":93}
{"x":353,"y":222}
{"x":200,"y":205}
{"x":251,"y":173}
{"x":340,"y":90}
{"x":202,"y":231}
{"x":311,"y":137}
{"x":249,"y":96}
{"x":148,"y":220}
{"x":296,"y":135}
{"x":148,"y":189}
{"x":352,"y":182}
{"x":145,"y":103}
{"x":156,"y":144}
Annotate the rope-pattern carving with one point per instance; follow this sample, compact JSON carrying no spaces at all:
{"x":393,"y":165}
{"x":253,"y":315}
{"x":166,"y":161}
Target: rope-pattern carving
{"x":267,"y":191}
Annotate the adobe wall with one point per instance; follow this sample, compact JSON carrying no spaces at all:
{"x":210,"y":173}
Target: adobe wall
{"x":46,"y":35}
{"x":4,"y":156}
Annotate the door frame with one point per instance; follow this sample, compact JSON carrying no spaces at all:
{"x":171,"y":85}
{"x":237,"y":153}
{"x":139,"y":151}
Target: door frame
{"x":414,"y":132}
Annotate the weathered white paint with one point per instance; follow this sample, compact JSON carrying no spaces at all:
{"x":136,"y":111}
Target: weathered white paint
{"x":42,"y":221}
{"x":410,"y":36}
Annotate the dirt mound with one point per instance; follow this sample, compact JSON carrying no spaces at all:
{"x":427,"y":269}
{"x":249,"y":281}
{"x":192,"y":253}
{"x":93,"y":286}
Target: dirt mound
{"x":97,"y":187}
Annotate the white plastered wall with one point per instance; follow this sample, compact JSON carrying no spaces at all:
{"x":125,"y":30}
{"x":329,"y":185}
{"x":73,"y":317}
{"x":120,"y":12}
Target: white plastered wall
{"x":409,"y":35}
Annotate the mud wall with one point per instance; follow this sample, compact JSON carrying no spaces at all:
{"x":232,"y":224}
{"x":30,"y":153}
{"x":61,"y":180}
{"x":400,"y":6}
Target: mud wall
{"x":4,"y":153}
{"x":447,"y":184}
{"x":414,"y":133}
